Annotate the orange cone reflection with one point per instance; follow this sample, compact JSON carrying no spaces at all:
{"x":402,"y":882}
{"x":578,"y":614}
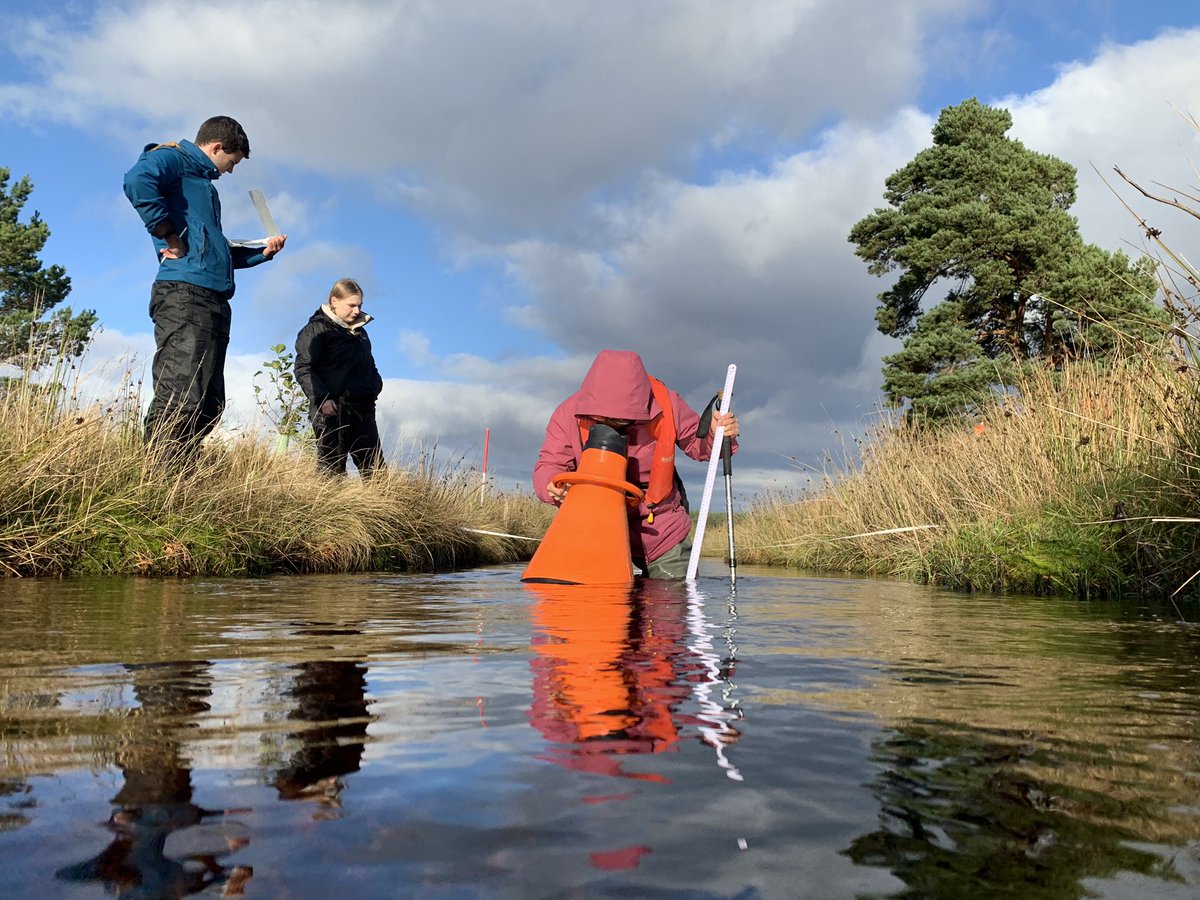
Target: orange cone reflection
{"x":607,"y":681}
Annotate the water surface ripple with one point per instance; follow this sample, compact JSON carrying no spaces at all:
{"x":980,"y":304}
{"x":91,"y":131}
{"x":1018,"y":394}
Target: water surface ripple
{"x":464,"y":735}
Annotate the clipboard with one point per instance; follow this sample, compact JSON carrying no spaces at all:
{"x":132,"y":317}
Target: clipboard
{"x":264,"y":216}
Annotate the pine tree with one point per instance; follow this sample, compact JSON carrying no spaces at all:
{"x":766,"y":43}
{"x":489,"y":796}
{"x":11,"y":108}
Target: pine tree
{"x":983,"y":217}
{"x":943,"y":343}
{"x":29,"y":290}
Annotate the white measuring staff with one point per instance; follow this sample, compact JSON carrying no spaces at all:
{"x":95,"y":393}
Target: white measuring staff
{"x":713,"y":460}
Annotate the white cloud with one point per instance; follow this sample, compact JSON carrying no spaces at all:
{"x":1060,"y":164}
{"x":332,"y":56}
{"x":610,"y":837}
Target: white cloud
{"x":1122,"y":109}
{"x":754,"y":269}
{"x":572,"y":143}
{"x":454,"y":416}
{"x":416,"y":347}
{"x":505,"y":115}
{"x":116,"y":365}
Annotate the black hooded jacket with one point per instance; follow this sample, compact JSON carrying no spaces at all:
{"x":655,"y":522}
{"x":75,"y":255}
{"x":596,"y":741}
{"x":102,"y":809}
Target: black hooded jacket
{"x":334,"y":362}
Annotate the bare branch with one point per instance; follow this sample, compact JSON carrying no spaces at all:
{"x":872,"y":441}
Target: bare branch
{"x":1145,"y":193}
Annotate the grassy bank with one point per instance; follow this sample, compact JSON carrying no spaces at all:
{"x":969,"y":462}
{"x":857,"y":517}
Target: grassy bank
{"x":1086,"y":481}
{"x":1062,"y":489}
{"x":80,"y":496}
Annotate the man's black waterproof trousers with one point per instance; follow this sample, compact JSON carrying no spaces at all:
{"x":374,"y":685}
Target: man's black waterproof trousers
{"x":191,"y":336}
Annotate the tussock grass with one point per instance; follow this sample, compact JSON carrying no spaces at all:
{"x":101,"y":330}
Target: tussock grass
{"x":80,"y":495}
{"x":1086,"y":482}
{"x":1053,"y":491}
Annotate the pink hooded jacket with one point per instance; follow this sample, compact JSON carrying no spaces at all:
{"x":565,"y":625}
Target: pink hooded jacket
{"x":617,"y":387}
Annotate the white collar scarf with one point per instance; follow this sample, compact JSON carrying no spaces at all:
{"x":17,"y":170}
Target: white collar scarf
{"x":362,"y":320}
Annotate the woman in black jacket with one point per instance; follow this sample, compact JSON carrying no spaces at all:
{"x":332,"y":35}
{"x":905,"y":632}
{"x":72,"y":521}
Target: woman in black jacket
{"x":337,"y":372}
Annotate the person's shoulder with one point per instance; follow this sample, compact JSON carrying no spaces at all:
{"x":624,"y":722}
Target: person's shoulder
{"x":676,"y":397}
{"x":566,"y":409}
{"x":182,"y":155}
{"x":316,"y":322}
{"x":160,"y":156}
{"x":680,"y":408}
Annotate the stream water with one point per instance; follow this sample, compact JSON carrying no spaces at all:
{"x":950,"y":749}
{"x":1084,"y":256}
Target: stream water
{"x":465,"y":735}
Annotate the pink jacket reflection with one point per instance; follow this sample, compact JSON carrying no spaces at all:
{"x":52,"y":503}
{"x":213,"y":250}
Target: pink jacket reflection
{"x":617,"y":387}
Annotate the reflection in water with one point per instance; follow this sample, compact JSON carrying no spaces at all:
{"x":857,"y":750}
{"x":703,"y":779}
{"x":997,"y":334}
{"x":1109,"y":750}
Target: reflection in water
{"x":330,"y":699}
{"x":904,"y":740}
{"x":963,"y":811}
{"x":155,"y":801}
{"x":613,"y":666}
{"x":714,"y":718}
{"x":14,"y":816}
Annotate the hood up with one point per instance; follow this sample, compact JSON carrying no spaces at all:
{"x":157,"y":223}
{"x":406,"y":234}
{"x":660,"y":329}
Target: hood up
{"x":616,"y":387}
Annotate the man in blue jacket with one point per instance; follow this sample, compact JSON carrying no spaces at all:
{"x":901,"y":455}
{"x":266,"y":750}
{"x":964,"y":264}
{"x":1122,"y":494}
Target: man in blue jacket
{"x":172,"y":188}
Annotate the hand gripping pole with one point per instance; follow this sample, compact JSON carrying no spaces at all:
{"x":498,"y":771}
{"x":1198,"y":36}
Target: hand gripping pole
{"x":713,"y":460}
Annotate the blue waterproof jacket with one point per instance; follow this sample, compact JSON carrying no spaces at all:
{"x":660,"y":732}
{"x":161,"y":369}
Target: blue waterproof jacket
{"x":175,"y":181}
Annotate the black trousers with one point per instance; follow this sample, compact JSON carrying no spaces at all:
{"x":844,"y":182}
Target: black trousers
{"x":191,"y":336}
{"x":352,"y":432}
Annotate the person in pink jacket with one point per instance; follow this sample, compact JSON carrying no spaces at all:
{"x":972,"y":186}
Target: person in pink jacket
{"x":618,"y":392}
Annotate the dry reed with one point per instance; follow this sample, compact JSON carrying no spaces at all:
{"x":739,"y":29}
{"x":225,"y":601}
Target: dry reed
{"x":82,"y":496}
{"x":1084,"y":481}
{"x":1047,"y":492}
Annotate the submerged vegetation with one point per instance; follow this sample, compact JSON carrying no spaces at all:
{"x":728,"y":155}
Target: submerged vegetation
{"x":82,"y":496}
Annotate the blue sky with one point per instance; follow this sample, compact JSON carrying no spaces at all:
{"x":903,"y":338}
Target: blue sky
{"x":520,"y":184}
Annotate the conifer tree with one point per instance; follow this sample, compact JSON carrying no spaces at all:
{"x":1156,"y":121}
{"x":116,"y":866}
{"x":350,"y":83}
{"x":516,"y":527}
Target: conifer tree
{"x":986,"y":219}
{"x":943,"y":342}
{"x":32,"y":331}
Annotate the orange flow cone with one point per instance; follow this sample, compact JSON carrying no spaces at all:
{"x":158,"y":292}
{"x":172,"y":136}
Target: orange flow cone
{"x":588,"y":541}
